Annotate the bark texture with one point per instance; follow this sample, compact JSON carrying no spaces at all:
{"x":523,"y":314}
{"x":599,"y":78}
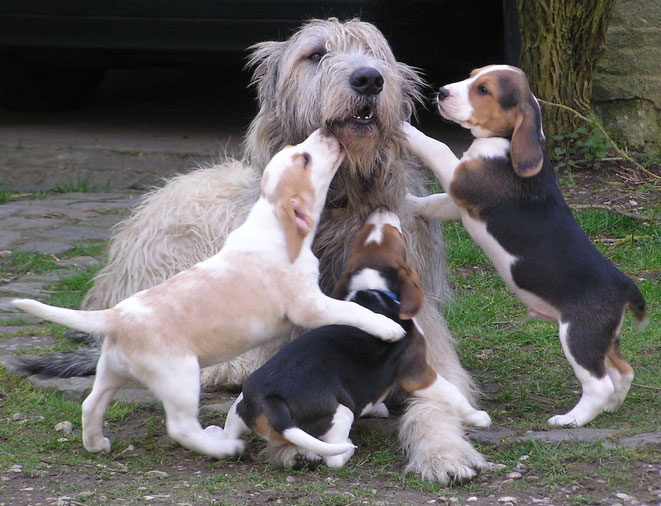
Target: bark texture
{"x":561,"y":42}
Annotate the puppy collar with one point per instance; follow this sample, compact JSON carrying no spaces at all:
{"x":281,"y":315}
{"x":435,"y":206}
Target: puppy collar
{"x":390,"y":294}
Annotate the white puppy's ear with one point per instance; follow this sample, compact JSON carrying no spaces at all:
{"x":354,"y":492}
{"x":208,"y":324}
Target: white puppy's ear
{"x":296,"y":222}
{"x":526,"y":150}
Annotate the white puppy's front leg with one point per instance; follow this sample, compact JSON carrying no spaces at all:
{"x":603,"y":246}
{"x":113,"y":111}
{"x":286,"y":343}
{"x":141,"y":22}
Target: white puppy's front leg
{"x":436,"y":207}
{"x":434,"y":154}
{"x":312,"y":310}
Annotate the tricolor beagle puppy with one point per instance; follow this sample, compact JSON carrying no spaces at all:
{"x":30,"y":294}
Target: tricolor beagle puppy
{"x":505,"y":192}
{"x":255,"y":289}
{"x":304,"y":399}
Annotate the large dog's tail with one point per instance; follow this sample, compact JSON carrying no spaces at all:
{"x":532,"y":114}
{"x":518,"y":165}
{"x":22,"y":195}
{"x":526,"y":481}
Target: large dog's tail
{"x":61,"y":365}
{"x":637,"y":306}
{"x":92,"y":322}
{"x":278,"y":415}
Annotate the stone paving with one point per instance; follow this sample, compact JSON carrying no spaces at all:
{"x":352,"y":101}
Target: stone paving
{"x":59,"y":222}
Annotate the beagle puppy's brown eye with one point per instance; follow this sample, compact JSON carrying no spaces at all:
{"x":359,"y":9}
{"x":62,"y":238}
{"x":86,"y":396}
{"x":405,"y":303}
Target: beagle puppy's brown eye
{"x":482,"y":90}
{"x":306,"y":159}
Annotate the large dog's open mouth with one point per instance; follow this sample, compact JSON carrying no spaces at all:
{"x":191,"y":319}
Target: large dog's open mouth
{"x":364,"y":116}
{"x":361,"y":119}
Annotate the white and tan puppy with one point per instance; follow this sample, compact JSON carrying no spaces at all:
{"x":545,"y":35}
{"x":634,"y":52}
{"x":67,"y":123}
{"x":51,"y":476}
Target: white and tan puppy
{"x":264,"y":280}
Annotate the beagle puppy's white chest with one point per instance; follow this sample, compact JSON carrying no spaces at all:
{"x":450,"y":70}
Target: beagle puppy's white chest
{"x":505,"y":192}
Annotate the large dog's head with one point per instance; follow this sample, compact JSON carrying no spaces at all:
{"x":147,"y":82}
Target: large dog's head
{"x":340,"y":75}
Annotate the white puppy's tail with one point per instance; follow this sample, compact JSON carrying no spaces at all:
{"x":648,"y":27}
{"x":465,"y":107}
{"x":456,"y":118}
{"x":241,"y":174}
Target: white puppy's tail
{"x":301,"y":438}
{"x":278,"y":415}
{"x":92,"y":322}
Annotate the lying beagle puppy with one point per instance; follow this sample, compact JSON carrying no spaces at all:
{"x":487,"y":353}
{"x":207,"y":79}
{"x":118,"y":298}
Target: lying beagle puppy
{"x":505,"y":192}
{"x":304,"y":399}
{"x":262,"y":282}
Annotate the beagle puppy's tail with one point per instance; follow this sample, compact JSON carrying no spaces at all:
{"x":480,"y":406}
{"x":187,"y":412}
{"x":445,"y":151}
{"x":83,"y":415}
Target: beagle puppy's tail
{"x":637,"y":304}
{"x":92,"y":322}
{"x":277,"y":414}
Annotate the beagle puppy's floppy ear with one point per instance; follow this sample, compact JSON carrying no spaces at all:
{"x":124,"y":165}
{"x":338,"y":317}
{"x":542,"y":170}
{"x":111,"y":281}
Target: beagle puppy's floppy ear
{"x":525,"y":150}
{"x":296,"y":223}
{"x":341,"y":288}
{"x":410,"y":295}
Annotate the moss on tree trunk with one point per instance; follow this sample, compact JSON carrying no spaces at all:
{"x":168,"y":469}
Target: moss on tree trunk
{"x":561,"y":42}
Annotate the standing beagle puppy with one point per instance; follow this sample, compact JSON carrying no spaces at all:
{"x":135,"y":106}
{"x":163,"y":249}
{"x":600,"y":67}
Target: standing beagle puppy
{"x":255,"y":289}
{"x":304,"y":399}
{"x":506,"y":194}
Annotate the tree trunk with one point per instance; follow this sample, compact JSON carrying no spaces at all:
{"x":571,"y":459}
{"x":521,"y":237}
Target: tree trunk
{"x":561,"y":42}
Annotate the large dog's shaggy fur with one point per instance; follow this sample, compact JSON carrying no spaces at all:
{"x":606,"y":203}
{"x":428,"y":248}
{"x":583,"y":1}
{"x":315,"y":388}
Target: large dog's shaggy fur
{"x":303,"y":83}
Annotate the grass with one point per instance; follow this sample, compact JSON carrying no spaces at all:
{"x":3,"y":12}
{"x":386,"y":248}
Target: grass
{"x":518,"y":363}
{"x":77,"y":186}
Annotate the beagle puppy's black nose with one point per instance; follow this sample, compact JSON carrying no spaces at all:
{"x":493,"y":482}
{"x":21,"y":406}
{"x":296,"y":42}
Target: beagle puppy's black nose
{"x":366,"y":81}
{"x":443,"y":93}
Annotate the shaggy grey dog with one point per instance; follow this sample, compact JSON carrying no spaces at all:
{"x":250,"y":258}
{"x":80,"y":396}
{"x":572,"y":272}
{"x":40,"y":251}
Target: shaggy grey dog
{"x":345,"y":76}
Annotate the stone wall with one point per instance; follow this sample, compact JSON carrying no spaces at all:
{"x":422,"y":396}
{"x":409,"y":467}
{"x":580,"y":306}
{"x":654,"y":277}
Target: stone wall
{"x":627,"y":88}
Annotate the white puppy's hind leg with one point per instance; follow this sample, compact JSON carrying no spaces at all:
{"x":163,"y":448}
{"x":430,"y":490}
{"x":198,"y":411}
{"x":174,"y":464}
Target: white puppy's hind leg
{"x":177,"y":384}
{"x":339,"y":433}
{"x":436,"y":207}
{"x":106,"y":384}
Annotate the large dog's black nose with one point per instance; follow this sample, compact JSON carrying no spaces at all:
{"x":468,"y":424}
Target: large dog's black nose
{"x":366,"y":81}
{"x":443,"y":93}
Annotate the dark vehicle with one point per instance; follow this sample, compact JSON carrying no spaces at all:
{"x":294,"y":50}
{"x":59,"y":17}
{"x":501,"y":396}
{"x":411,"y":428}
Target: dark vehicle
{"x":53,"y":53}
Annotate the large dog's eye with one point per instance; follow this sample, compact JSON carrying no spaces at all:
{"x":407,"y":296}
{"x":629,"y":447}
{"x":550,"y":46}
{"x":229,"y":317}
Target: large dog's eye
{"x":316,"y":56}
{"x":306,"y":159}
{"x":482,"y":90}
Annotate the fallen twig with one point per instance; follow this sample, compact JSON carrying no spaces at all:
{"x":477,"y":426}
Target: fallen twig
{"x":604,"y":207}
{"x":644,"y":386}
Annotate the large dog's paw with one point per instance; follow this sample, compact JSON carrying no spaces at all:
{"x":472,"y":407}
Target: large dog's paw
{"x":433,"y":439}
{"x":456,"y":463}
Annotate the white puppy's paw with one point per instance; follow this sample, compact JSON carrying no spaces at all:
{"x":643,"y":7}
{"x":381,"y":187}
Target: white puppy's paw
{"x":215,"y":431}
{"x":225,"y":448}
{"x":563,"y":420}
{"x":386,"y":329}
{"x":101,"y":445}
{"x":479,"y":419}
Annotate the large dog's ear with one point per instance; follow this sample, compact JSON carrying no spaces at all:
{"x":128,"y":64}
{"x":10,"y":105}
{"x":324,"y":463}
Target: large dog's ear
{"x":296,"y":223}
{"x":526,"y":150}
{"x":264,"y":61}
{"x":412,"y":86}
{"x":410,"y":294}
